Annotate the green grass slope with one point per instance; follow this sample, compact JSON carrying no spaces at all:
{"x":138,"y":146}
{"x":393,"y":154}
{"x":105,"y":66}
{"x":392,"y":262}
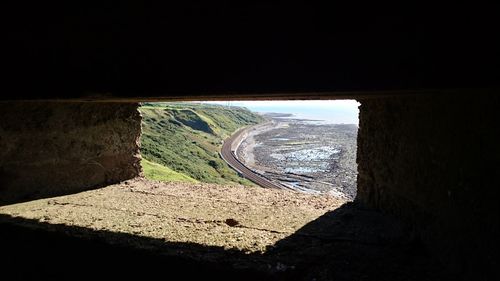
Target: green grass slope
{"x":158,"y":172}
{"x":186,"y":137}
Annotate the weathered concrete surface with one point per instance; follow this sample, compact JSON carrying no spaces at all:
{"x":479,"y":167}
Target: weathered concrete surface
{"x":433,"y":161}
{"x":51,"y":149}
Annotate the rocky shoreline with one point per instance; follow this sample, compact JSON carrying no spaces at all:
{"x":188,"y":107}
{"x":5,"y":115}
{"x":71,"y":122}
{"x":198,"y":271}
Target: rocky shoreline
{"x":305,"y":155}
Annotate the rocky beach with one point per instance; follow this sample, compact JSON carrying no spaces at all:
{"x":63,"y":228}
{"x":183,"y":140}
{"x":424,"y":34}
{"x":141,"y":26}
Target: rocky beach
{"x":305,"y":155}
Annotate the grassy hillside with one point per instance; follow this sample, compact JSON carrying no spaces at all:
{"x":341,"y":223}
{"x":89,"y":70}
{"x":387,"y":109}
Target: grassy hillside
{"x":156,"y":171}
{"x":186,"y":138}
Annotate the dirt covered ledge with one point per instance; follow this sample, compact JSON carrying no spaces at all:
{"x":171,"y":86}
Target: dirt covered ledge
{"x":233,"y":217}
{"x":278,"y":233}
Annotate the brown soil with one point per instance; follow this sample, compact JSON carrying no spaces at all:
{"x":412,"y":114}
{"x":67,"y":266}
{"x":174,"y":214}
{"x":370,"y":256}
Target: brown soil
{"x":226,"y":232}
{"x":233,"y":217}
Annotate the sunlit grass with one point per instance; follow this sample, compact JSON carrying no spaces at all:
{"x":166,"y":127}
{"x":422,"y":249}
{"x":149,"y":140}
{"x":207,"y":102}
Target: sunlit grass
{"x":158,"y":172}
{"x":187,"y":138}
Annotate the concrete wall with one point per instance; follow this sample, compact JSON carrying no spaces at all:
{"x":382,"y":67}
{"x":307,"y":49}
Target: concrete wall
{"x":51,"y":149}
{"x":434,"y":161}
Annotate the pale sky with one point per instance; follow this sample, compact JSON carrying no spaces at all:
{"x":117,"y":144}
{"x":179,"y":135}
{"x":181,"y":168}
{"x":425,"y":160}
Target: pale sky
{"x":336,"y":111}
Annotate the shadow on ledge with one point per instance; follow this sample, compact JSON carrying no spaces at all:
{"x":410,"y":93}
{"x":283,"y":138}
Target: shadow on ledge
{"x":355,"y":243}
{"x":350,"y":243}
{"x":41,"y":250}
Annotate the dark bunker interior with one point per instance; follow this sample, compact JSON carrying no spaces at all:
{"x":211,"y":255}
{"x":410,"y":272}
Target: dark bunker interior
{"x":427,"y":143}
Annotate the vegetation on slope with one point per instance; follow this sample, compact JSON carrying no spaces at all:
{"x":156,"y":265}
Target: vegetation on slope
{"x":186,"y":138}
{"x":158,"y":172}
